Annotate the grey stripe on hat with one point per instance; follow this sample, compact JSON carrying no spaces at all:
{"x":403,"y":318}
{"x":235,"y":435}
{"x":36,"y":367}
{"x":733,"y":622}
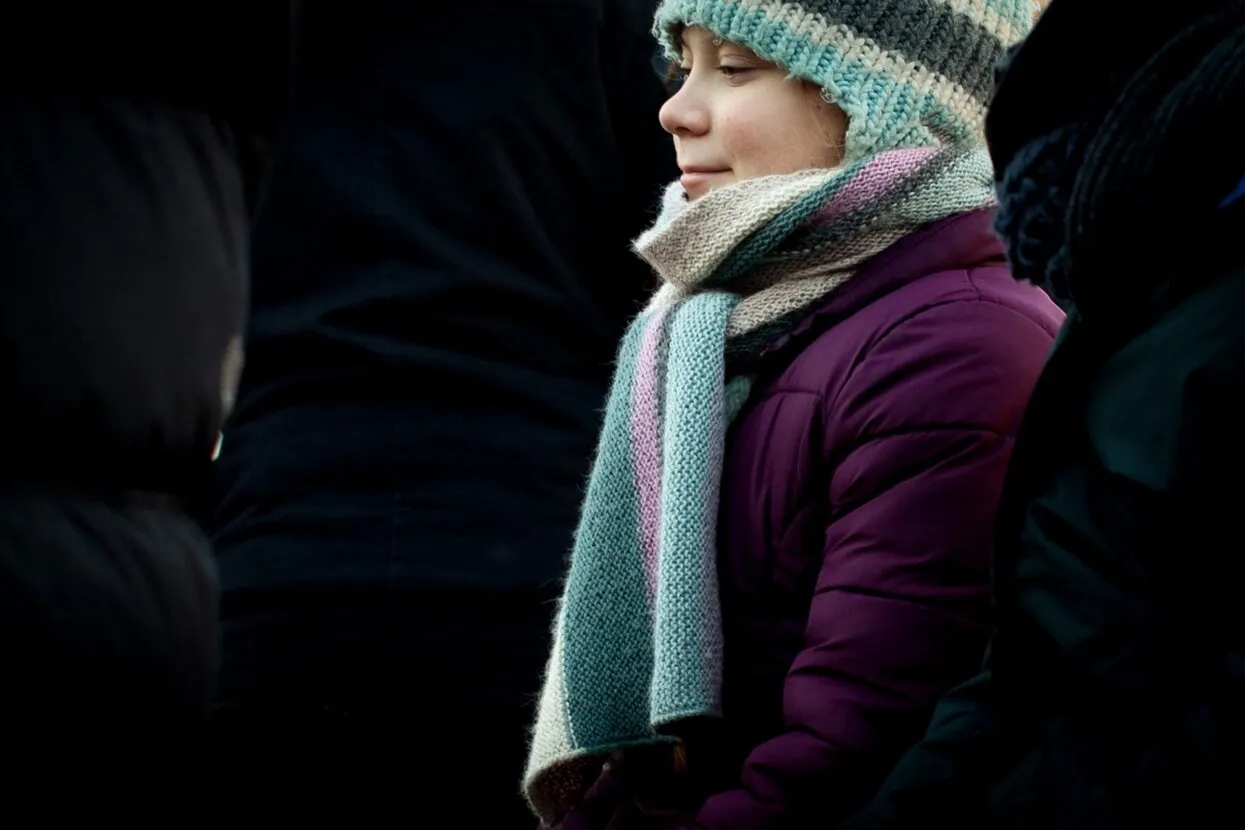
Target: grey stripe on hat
{"x":925,"y":31}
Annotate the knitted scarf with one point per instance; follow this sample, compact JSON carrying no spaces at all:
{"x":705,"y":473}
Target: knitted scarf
{"x":637,"y":645}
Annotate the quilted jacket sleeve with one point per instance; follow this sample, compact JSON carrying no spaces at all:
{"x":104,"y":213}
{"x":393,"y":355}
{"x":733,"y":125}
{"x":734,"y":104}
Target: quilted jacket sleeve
{"x":917,"y":441}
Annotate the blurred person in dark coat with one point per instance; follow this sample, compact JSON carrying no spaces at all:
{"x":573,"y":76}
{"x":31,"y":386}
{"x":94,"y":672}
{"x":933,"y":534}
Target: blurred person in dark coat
{"x":1113,"y":694}
{"x":441,"y":273}
{"x":132,"y":152}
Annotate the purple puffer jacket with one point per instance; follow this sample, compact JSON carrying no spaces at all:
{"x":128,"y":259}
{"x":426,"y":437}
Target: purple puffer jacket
{"x":859,"y":493}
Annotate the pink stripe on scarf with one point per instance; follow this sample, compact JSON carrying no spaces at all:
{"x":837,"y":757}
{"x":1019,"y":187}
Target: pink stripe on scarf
{"x":646,"y":442}
{"x":878,"y":175}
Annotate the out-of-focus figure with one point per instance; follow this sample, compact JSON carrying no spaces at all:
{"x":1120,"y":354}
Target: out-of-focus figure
{"x":442,"y":271}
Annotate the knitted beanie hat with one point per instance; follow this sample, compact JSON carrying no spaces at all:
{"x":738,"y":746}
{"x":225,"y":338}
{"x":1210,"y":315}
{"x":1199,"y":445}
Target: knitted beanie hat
{"x":908,"y":73}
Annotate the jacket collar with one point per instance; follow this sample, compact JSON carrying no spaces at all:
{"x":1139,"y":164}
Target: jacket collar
{"x":966,"y":240}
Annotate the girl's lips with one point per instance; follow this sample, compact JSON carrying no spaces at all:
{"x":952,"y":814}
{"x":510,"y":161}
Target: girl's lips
{"x":696,"y":182}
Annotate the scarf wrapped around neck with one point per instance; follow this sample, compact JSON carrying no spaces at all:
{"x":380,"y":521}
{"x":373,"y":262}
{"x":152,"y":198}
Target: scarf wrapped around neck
{"x":637,"y":645}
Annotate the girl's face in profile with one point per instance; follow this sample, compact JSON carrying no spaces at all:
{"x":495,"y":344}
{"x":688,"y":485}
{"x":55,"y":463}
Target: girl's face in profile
{"x":737,"y":117}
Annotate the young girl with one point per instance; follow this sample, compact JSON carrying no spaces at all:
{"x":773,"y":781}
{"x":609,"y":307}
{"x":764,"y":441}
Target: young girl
{"x":783,"y":556}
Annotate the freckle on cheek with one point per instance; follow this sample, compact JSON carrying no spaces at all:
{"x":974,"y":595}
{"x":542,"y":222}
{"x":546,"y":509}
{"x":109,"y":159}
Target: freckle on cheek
{"x":737,"y":134}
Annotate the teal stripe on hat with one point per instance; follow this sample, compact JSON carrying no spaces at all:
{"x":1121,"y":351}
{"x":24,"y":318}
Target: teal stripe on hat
{"x":884,"y":112}
{"x":1019,"y":13}
{"x":930,"y":33}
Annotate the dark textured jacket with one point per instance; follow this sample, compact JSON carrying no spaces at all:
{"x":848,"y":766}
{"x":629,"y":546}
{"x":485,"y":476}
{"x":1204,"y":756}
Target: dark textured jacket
{"x":441,"y":274}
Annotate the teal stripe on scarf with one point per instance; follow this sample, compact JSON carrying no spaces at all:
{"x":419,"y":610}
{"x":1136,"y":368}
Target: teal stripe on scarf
{"x":630,"y":666}
{"x":606,"y":615}
{"x":752,"y":249}
{"x":687,"y":675}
